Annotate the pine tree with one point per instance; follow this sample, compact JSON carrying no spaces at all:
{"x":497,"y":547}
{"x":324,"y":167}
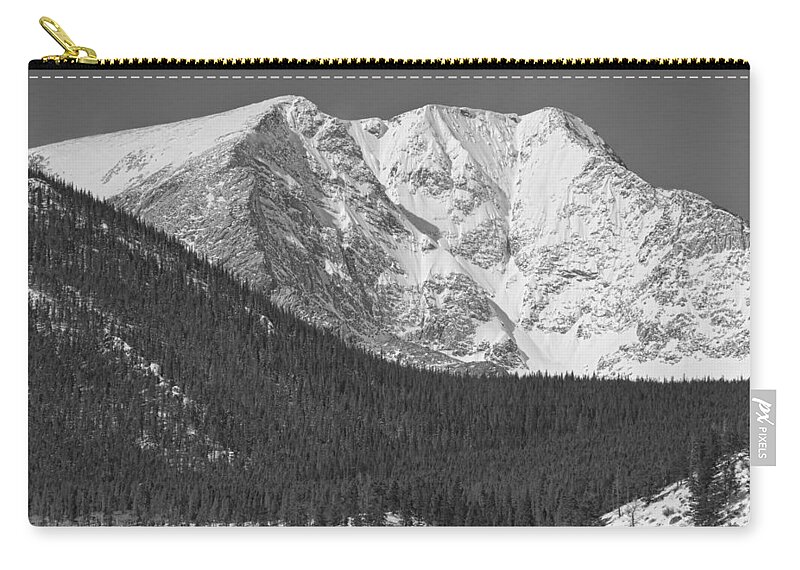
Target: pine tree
{"x":706,"y":495}
{"x":525,"y":511}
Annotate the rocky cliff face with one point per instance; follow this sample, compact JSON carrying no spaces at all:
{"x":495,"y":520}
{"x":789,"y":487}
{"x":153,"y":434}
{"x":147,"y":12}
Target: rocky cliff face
{"x":445,"y":236}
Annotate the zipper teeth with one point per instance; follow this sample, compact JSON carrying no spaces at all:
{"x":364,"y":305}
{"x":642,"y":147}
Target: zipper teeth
{"x":453,"y":63}
{"x":433,"y":63}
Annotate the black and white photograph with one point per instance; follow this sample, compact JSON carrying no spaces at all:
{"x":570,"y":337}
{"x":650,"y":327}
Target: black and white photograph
{"x":405,"y":286}
{"x":389,"y":297}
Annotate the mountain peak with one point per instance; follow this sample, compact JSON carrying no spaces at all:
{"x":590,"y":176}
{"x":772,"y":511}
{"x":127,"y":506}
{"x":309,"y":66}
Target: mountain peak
{"x":542,"y":124}
{"x":556,"y":113}
{"x":296,"y":102}
{"x":454,"y":234}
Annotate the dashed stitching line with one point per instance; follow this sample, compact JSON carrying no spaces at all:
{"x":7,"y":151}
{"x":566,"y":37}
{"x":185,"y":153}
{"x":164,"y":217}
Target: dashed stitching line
{"x":392,"y":77}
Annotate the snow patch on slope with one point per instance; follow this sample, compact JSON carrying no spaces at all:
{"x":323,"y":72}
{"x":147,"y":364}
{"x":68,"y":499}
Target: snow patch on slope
{"x":111,"y":163}
{"x":671,"y":505}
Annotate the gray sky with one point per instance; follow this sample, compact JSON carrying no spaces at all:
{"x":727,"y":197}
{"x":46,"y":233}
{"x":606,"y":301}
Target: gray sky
{"x":674,"y":133}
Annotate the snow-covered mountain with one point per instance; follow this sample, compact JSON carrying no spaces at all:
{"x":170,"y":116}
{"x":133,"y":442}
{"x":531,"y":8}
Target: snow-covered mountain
{"x":445,"y":235}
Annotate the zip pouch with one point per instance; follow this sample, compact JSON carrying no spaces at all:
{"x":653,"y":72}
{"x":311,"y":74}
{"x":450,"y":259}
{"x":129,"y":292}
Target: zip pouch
{"x":381,"y":292}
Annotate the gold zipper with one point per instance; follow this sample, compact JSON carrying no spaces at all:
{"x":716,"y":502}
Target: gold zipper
{"x":74,"y":54}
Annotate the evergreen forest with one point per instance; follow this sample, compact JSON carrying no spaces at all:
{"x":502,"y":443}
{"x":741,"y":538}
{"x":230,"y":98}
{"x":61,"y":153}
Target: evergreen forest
{"x":165,"y":391}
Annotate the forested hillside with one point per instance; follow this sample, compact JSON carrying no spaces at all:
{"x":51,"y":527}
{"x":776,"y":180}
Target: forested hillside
{"x":164,"y":391}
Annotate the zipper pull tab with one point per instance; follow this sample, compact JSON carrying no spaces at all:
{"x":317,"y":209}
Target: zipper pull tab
{"x":72,"y":52}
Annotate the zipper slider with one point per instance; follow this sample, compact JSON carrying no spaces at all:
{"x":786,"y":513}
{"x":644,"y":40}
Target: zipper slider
{"x":72,"y":52}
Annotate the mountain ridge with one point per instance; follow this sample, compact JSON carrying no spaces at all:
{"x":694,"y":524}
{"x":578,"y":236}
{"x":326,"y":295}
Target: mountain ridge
{"x":522,"y":242}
